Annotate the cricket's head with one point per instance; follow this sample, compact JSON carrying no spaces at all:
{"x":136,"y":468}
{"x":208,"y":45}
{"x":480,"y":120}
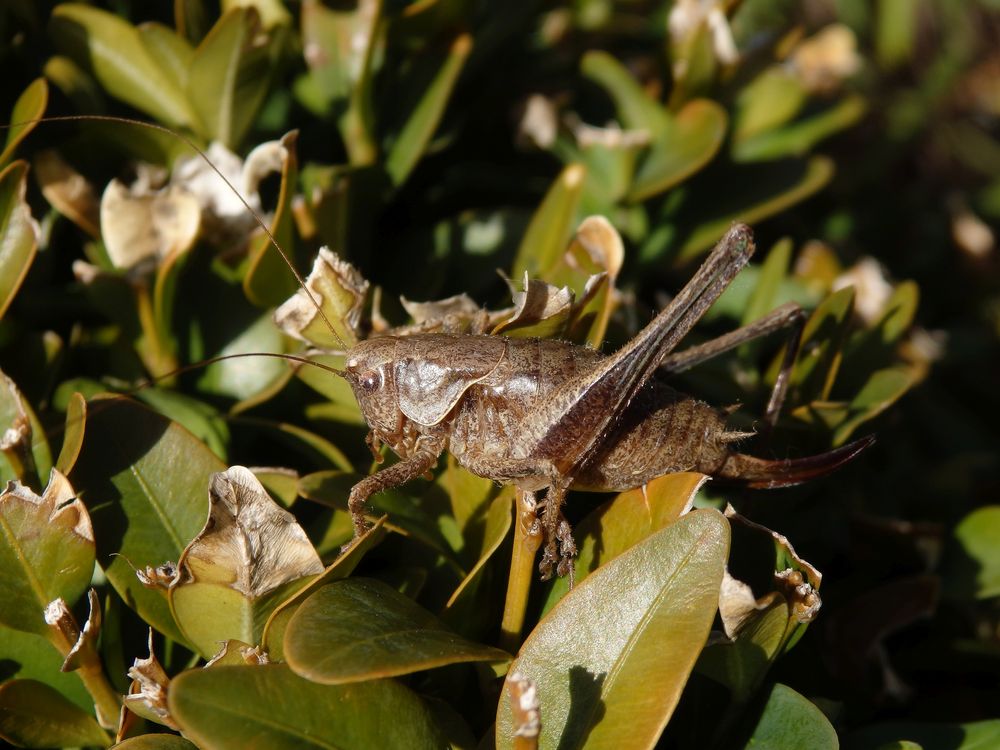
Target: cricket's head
{"x":369,"y":370}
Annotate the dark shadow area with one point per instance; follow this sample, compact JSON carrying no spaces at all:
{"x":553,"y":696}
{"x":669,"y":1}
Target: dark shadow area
{"x":586,"y":708}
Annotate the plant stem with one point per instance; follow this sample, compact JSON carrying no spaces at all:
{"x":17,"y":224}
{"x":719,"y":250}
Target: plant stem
{"x":527,"y":540}
{"x":64,"y":634}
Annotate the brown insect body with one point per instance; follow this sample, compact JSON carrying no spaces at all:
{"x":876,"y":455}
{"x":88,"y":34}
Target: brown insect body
{"x":491,"y":415}
{"x":551,"y":415}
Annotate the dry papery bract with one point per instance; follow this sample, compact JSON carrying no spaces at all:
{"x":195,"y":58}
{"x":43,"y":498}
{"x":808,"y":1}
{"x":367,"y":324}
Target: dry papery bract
{"x":248,"y":542}
{"x":737,"y":603}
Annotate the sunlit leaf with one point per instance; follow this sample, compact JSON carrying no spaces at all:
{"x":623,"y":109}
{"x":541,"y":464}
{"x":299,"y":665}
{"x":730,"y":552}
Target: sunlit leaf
{"x":552,"y":225}
{"x":30,"y":106}
{"x":270,"y":706}
{"x":335,"y":299}
{"x":19,"y":232}
{"x":594,"y":681}
{"x":635,"y":108}
{"x":361,"y":629}
{"x":411,"y":142}
{"x":625,"y":521}
{"x":689,"y":140}
{"x":143,"y":479}
{"x":798,"y":138}
{"x":228,"y":77}
{"x":76,"y":422}
{"x":343,"y":566}
{"x":46,"y":551}
{"x":769,"y":101}
{"x":250,"y":556}
{"x":25,"y":451}
{"x":113,"y":51}
{"x":974,"y":567}
{"x":155,"y":742}
{"x":245,"y":377}
{"x":172,"y":51}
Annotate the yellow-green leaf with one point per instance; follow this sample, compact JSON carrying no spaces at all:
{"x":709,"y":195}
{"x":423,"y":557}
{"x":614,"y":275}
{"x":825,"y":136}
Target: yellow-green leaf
{"x":33,"y":714}
{"x":594,"y":681}
{"x":270,"y":706}
{"x":361,"y":629}
{"x":19,"y":232}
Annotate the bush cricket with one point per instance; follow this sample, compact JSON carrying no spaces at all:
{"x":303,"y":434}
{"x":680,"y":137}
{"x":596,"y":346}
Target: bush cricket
{"x":549,"y":415}
{"x":544,"y":414}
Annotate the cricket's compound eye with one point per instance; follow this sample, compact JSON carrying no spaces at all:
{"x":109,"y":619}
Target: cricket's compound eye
{"x":370,"y":380}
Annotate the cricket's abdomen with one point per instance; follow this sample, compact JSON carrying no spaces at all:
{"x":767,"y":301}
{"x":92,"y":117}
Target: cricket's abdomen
{"x":662,"y":431}
{"x":499,"y":422}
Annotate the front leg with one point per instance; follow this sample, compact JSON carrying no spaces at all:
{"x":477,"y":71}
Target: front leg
{"x":422,"y":461}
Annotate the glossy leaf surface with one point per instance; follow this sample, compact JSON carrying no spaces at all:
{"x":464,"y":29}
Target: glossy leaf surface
{"x":595,"y":681}
{"x":361,"y":629}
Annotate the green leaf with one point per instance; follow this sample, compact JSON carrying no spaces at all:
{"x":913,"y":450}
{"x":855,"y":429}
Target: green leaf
{"x":250,"y":556}
{"x":741,"y":664}
{"x":270,"y":706}
{"x":772,"y":273}
{"x":411,"y":141}
{"x":688,"y":142}
{"x":46,"y":552}
{"x":29,"y":107}
{"x":409,"y":515}
{"x":625,"y":521}
{"x":876,"y":344}
{"x":269,"y":281}
{"x":114,"y":52}
{"x":791,"y":721}
{"x":595,"y":682}
{"x":19,"y":232}
{"x":749,"y":194}
{"x":26,"y":656}
{"x":361,"y":629}
{"x":975,"y":570}
{"x":155,"y":742}
{"x":143,"y":479}
{"x":246,"y":377}
{"x":199,"y":418}
{"x":33,"y":714}
{"x":637,"y":110}
{"x":820,"y":347}
{"x":880,"y":391}
{"x":551,"y":226}
{"x":798,"y":138}
{"x":496,"y":527}
{"x":467,"y":493}
{"x":75,"y":84}
{"x":172,"y":51}
{"x":343,"y":566}
{"x":768,"y":102}
{"x":229,"y":76}
{"x":28,"y":457}
{"x":73,"y":432}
